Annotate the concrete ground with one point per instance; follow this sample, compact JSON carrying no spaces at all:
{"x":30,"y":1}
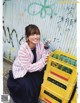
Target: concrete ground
{"x":6,"y":67}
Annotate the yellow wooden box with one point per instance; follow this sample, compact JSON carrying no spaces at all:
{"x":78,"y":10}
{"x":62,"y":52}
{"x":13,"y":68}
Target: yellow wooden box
{"x":62,"y":70}
{"x":64,"y":57}
{"x":63,"y":88}
{"x":49,"y":96}
{"x":64,"y":73}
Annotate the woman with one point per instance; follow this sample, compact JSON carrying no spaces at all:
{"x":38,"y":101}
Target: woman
{"x":25,"y":79}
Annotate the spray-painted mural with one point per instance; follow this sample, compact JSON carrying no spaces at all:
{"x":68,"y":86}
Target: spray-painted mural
{"x":56,"y":20}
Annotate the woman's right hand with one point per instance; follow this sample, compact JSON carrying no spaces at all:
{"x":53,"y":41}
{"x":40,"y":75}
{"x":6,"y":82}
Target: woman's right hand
{"x":46,"y":58}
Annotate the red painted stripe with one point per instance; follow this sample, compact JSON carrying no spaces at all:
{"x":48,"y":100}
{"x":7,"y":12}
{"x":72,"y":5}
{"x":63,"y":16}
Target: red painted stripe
{"x":59,"y":76}
{"x":47,"y":100}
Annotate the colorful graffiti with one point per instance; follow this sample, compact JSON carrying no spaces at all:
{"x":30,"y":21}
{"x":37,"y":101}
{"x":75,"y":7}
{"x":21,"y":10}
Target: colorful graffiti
{"x":43,"y":9}
{"x":38,"y":8}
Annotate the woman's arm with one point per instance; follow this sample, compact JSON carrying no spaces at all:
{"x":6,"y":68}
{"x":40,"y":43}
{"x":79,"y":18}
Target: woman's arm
{"x":23,"y":64}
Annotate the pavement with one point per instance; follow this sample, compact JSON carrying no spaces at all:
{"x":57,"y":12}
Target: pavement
{"x":6,"y":67}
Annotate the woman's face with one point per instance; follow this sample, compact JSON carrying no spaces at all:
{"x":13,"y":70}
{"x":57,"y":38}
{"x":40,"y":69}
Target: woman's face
{"x":34,"y":38}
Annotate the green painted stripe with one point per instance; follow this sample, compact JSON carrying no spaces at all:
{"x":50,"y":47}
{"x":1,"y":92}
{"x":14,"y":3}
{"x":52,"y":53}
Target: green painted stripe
{"x":61,"y":67}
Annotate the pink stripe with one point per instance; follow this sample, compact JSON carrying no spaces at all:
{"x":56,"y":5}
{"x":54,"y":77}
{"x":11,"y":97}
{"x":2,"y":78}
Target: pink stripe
{"x":59,"y":76}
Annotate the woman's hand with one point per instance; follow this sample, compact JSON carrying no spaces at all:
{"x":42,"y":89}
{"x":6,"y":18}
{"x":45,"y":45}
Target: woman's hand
{"x":46,"y":58}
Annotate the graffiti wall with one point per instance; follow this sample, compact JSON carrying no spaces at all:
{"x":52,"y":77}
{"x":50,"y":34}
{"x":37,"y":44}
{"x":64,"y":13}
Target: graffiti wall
{"x":56,"y":20}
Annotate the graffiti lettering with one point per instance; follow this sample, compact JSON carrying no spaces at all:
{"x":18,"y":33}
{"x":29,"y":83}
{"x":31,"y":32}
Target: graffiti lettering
{"x":69,"y":20}
{"x":8,"y":37}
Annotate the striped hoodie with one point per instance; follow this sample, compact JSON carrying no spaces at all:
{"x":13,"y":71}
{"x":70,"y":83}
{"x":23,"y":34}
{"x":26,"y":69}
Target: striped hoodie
{"x":23,"y":62}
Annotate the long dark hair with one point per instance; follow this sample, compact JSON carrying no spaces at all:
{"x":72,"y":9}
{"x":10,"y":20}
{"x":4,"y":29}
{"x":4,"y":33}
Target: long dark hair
{"x":31,"y":30}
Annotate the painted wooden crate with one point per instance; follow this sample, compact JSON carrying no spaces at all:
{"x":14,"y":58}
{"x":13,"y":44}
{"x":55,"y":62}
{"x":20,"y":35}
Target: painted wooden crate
{"x":49,"y":96}
{"x":65,"y":71}
{"x":57,"y":85}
